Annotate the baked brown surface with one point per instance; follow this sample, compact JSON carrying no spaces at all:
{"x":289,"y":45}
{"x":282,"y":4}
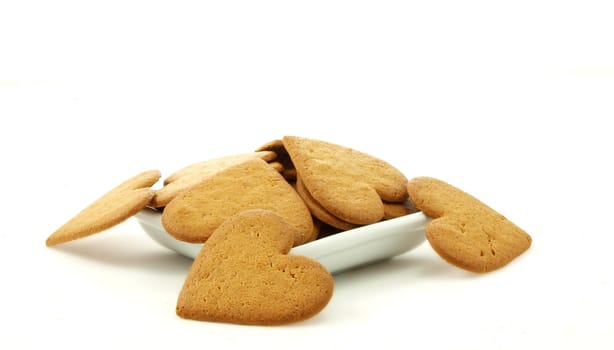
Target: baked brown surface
{"x":196,"y":213}
{"x":465,"y":231}
{"x":244,"y":275}
{"x":349,"y":184}
{"x":318,"y":211}
{"x":192,"y":174}
{"x":112,"y":208}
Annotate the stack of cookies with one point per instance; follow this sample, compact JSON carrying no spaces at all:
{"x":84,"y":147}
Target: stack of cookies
{"x":250,"y":209}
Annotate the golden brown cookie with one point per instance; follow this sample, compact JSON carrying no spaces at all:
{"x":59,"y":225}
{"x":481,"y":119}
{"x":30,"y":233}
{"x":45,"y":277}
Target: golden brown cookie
{"x":195,"y":173}
{"x":245,"y":275}
{"x":193,"y":215}
{"x":318,"y":211}
{"x":465,"y":231}
{"x":349,"y":184}
{"x":112,"y":208}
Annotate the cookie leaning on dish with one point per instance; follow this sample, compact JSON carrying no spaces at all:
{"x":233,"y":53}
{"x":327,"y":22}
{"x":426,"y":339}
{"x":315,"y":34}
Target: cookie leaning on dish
{"x":112,"y":208}
{"x":245,"y":275}
{"x":348,"y":184}
{"x":194,"y":214}
{"x":465,"y":231}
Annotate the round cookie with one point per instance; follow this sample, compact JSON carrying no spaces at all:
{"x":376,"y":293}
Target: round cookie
{"x":109,"y":210}
{"x":245,"y":275}
{"x":465,"y":231}
{"x":193,"y":215}
{"x":349,"y":184}
{"x":192,"y":174}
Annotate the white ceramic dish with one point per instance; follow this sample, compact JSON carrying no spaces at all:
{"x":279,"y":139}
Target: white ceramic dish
{"x":338,"y":252}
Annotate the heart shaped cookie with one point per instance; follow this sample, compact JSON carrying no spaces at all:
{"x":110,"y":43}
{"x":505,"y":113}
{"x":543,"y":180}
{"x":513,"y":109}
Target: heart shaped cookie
{"x":347,"y":183}
{"x":465,"y":231}
{"x":196,"y":213}
{"x":112,"y":208}
{"x":245,"y":275}
{"x":191,"y":175}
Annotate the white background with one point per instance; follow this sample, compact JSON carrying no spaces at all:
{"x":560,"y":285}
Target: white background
{"x":510,"y":101}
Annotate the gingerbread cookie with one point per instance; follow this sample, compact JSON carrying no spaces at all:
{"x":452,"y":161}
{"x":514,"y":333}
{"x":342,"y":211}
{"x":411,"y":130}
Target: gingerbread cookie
{"x":349,"y":184}
{"x":112,"y":208}
{"x":465,"y":231}
{"x":197,"y":172}
{"x":245,"y":275}
{"x":196,"y":213}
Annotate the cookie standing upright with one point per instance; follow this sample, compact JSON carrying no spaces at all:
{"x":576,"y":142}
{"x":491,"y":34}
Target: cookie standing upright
{"x":245,"y":275}
{"x":112,"y":208}
{"x":196,"y":213}
{"x":465,"y":231}
{"x":347,"y":183}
